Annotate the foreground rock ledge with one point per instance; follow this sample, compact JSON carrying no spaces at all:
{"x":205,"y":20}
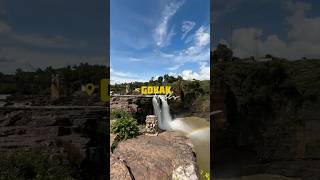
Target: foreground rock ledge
{"x":166,"y":156}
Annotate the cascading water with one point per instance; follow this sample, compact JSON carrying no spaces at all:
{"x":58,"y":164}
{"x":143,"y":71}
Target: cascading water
{"x":157,"y":110}
{"x":197,"y":129}
{"x":162,"y":111}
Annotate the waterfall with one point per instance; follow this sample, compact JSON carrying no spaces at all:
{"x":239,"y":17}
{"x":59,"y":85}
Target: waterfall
{"x":197,"y":129}
{"x":161,"y":109}
{"x":157,"y":110}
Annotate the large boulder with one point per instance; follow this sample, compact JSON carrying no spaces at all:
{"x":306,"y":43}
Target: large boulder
{"x":166,"y":156}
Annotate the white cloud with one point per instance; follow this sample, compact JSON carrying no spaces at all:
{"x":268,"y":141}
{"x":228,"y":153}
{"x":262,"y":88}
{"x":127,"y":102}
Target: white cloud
{"x":4,"y":27}
{"x":124,"y":77}
{"x":203,"y":36}
{"x":173,"y":74}
{"x":203,"y":74}
{"x":175,"y":67}
{"x":166,"y":55}
{"x":122,"y":74}
{"x":245,"y":41}
{"x":303,"y":37}
{"x":189,"y":75}
{"x":162,"y":38}
{"x":204,"y":71}
{"x":198,"y":51}
{"x":132,"y":59}
{"x":186,"y":27}
{"x":304,"y":29}
{"x":119,"y":80}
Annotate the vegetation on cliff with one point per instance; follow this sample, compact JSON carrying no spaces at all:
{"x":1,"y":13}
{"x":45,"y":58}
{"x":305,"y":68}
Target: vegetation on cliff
{"x":39,"y":81}
{"x":264,"y":100}
{"x":28,"y":165}
{"x":123,"y":126}
{"x":194,"y":93}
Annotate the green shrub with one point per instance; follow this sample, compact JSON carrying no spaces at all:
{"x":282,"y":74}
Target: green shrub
{"x":119,"y":113}
{"x":125,"y":128}
{"x":29,"y":165}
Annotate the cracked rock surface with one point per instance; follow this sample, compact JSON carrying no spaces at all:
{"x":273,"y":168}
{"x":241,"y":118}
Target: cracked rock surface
{"x":166,"y":156}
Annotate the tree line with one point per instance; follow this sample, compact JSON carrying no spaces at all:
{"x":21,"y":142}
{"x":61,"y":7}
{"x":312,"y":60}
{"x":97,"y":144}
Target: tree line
{"x":39,"y":81}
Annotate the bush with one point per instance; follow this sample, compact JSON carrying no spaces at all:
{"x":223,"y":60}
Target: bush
{"x":29,"y":165}
{"x":125,"y":128}
{"x":119,"y":113}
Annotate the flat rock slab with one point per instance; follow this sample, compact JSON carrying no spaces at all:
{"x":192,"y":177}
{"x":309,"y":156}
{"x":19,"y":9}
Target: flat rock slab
{"x":166,"y":156}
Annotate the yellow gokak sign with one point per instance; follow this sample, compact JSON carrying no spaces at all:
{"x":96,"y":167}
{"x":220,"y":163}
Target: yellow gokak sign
{"x":155,"y":90}
{"x":104,"y":89}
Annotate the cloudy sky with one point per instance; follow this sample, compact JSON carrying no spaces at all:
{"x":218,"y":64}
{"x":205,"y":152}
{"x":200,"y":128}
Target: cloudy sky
{"x":152,"y":38}
{"x":38,"y":33}
{"x":283,"y":28}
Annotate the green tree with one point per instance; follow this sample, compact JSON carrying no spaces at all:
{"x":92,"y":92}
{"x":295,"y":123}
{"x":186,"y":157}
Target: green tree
{"x":160,"y":80}
{"x":222,"y":53}
{"x":166,"y":78}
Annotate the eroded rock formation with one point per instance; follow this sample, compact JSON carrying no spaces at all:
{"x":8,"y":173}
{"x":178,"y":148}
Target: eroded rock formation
{"x":166,"y":156}
{"x":137,"y":106}
{"x":67,"y":133}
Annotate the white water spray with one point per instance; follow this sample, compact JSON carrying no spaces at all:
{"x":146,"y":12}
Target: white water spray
{"x":196,"y":129}
{"x":162,"y":111}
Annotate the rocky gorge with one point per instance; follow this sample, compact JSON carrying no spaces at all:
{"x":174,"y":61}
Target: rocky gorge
{"x":71,"y":135}
{"x":167,"y":155}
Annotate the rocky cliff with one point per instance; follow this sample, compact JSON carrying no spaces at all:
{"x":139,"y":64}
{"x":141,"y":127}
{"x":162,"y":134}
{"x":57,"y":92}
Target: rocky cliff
{"x":166,"y":156}
{"x":72,"y":134}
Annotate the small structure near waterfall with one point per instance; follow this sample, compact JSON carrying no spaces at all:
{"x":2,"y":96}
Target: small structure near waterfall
{"x":152,"y":127}
{"x":55,"y":87}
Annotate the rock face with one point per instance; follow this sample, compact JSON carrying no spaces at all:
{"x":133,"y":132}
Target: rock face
{"x":137,"y":106}
{"x":166,"y":156}
{"x":65,"y":133}
{"x":126,"y":104}
{"x":78,"y":98}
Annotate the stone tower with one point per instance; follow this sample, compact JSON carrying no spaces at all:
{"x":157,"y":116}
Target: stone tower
{"x":127,"y":89}
{"x":55,"y":87}
{"x":152,"y":127}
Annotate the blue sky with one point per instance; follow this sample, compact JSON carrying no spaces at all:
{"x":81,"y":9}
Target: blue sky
{"x":283,"y":28}
{"x":36,"y":33}
{"x":153,"y":38}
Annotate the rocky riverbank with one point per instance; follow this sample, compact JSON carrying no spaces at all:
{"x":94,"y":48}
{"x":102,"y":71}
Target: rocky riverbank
{"x":69,"y":133}
{"x":166,"y":156}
